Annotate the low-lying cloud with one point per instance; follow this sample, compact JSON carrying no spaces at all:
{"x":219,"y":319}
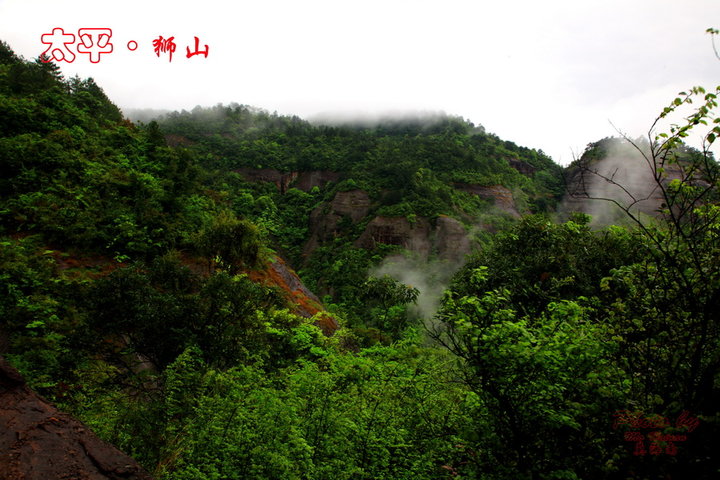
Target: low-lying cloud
{"x":430,"y":277}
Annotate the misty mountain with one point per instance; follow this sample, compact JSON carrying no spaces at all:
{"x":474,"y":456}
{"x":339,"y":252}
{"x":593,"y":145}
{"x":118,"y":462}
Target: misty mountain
{"x":231,"y":293}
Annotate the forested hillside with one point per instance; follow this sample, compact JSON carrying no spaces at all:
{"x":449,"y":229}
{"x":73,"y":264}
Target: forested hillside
{"x":337,"y":199}
{"x":148,"y":288}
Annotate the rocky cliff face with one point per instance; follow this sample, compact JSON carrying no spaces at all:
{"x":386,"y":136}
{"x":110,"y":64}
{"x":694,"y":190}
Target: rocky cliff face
{"x":37,"y":442}
{"x":501,"y":196}
{"x":353,"y":203}
{"x":281,"y":180}
{"x":325,"y":219}
{"x":319,"y":178}
{"x":447,"y":238}
{"x":400,"y":231}
{"x":451,"y":240}
{"x":304,"y":302}
{"x":304,"y":181}
{"x":522,"y":167}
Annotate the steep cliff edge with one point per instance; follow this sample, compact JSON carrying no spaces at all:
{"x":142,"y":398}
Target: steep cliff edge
{"x":443,"y":236}
{"x":446,"y":238}
{"x":325,"y":219}
{"x":501,"y":196}
{"x":37,"y":442}
{"x":304,"y":181}
{"x":303,"y":302}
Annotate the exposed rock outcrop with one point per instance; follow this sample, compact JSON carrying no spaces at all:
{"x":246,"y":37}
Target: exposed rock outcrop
{"x":277,"y":273}
{"x":502,"y":196}
{"x":451,"y":240}
{"x":413,"y":236}
{"x":522,"y":167}
{"x":353,"y":203}
{"x":318,"y":178}
{"x":37,"y":442}
{"x":447,"y":239}
{"x":281,"y":180}
{"x":325,"y":219}
{"x":304,"y":181}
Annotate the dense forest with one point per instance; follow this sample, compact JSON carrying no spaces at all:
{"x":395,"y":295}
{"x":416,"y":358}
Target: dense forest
{"x":211,"y":292}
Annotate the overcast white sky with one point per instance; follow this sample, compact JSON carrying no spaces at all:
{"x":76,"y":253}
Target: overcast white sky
{"x":545,"y":74}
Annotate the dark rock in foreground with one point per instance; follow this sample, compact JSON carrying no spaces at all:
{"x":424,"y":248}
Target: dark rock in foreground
{"x":39,"y":442}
